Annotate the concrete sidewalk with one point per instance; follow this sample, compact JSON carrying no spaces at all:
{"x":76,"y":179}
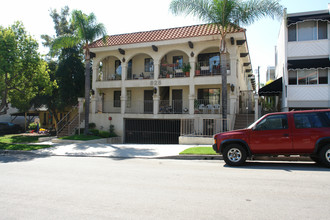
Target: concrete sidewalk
{"x":112,"y":150}
{"x":167,"y":151}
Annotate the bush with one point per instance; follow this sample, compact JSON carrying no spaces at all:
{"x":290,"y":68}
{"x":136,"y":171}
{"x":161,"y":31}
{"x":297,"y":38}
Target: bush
{"x":91,"y":126}
{"x":94,"y":132}
{"x":104,"y":134}
{"x":32,"y":126}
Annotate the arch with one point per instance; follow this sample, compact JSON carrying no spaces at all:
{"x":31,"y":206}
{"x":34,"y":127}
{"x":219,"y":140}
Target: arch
{"x":106,"y":68}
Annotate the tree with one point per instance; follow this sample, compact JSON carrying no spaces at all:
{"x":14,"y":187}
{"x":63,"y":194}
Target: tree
{"x":86,"y":31}
{"x":227,"y":15}
{"x":68,"y":70}
{"x":23,"y":74}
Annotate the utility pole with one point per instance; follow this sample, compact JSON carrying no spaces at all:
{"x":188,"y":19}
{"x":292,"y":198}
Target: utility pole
{"x":258,"y":78}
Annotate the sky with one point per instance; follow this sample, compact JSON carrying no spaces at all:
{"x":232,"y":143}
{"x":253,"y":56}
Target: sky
{"x":127,"y":16}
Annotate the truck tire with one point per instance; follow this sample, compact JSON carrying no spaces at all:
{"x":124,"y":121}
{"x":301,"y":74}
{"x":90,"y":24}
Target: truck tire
{"x":324,"y":155}
{"x":234,"y":155}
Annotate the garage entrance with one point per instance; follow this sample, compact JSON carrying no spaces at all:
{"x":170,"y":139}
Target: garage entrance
{"x":148,"y":131}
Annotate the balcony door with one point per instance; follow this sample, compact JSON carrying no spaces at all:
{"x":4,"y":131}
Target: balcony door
{"x":177,"y":101}
{"x":148,"y":102}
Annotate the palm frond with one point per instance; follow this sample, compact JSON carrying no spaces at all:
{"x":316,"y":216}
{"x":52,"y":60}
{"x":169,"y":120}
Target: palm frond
{"x":63,"y":41}
{"x":253,"y":10}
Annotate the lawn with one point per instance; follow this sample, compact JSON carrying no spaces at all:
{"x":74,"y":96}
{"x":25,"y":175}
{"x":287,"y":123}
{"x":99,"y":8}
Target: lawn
{"x":18,"y":142}
{"x":199,"y":151}
{"x":17,"y":138}
{"x":81,"y":137}
{"x":23,"y":147}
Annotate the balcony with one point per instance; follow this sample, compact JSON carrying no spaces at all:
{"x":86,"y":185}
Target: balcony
{"x":174,"y":70}
{"x":207,"y":69}
{"x":205,"y":106}
{"x":173,"y":107}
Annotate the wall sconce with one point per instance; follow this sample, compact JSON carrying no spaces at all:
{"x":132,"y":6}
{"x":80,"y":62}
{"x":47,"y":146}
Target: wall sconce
{"x":192,"y":54}
{"x":232,"y":87}
{"x":123,"y":60}
{"x":155,"y":90}
{"x":190,"y":44}
{"x":92,"y":92}
{"x":154,"y":48}
{"x":232,"y":41}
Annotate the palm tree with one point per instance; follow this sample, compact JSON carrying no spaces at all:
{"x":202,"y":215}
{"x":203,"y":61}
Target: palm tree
{"x":227,"y":15}
{"x":86,"y":31}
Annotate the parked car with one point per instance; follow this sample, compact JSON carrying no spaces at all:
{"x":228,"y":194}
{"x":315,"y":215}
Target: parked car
{"x":282,"y":133}
{"x":9,"y":128}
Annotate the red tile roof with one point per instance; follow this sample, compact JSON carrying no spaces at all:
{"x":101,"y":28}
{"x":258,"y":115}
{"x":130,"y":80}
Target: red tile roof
{"x":159,"y":35}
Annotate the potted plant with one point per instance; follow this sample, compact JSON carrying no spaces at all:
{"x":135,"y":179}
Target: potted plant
{"x":198,"y":70}
{"x":186,"y":68}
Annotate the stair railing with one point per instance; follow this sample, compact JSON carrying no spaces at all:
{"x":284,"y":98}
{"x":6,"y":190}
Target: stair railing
{"x":65,"y":120}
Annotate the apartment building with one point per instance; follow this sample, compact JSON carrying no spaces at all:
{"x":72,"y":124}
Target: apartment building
{"x":302,"y":60}
{"x":154,"y":86}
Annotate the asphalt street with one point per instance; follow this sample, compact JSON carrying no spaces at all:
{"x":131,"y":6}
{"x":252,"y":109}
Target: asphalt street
{"x":58,"y":187}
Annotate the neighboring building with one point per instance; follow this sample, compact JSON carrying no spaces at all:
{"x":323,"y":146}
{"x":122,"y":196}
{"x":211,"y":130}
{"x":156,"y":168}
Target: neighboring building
{"x":155,"y":85}
{"x":302,"y":60}
{"x":270,"y":74}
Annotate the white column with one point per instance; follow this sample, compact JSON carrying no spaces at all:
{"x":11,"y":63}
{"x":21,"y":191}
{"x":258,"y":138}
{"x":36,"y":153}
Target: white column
{"x":123,"y":97}
{"x":156,"y":69}
{"x":192,"y":70}
{"x":191,"y":98}
{"x":156,"y":99}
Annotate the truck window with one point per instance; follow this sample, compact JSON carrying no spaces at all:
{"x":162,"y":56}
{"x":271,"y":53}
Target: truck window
{"x":308,"y":120}
{"x":273,"y":122}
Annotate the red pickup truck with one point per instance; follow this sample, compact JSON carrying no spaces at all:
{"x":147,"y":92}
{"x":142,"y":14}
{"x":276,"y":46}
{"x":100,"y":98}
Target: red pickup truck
{"x":281,"y":133}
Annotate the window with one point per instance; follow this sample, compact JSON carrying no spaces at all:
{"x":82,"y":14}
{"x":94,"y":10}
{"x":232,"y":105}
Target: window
{"x":209,"y":96}
{"x":273,"y":122}
{"x":308,"y":30}
{"x":308,"y":77}
{"x":323,"y":76}
{"x":292,"y":77}
{"x":148,"y":65}
{"x":116,"y":98}
{"x":292,"y":32}
{"x":117,"y":101}
{"x":322,"y":30}
{"x":308,"y":120}
{"x":118,"y":67}
{"x":178,"y":61}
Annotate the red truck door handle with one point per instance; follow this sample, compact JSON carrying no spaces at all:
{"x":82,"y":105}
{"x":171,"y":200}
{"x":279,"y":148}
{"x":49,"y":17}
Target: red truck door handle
{"x":285,"y":135}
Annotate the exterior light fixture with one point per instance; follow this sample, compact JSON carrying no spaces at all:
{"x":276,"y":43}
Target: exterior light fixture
{"x":232,"y":87}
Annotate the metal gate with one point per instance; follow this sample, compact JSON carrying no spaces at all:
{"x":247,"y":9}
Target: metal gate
{"x":152,"y":131}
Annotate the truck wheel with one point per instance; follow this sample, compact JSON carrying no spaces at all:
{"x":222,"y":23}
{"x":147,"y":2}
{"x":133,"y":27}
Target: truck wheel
{"x":234,"y":155}
{"x":324,"y":155}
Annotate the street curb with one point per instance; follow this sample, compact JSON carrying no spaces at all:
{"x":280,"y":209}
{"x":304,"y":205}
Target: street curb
{"x":176,"y":157}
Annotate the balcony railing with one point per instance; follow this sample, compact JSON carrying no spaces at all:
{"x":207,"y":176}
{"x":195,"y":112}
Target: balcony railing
{"x":205,"y":106}
{"x":140,"y":107}
{"x":108,"y":106}
{"x":147,"y":75}
{"x":108,"y":76}
{"x":172,"y":71}
{"x":207,"y":69}
{"x":173,"y":107}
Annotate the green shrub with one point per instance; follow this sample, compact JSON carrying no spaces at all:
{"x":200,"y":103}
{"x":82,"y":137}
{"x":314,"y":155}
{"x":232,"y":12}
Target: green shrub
{"x":91,"y":125}
{"x":32,"y":126}
{"x":94,"y":132}
{"x":104,"y":134}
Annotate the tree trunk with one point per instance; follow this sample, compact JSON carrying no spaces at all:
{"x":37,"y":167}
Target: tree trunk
{"x":223,"y":71}
{"x":87,"y":92}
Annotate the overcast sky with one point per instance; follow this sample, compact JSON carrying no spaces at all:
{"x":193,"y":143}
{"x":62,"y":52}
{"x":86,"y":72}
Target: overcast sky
{"x":126,"y":16}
